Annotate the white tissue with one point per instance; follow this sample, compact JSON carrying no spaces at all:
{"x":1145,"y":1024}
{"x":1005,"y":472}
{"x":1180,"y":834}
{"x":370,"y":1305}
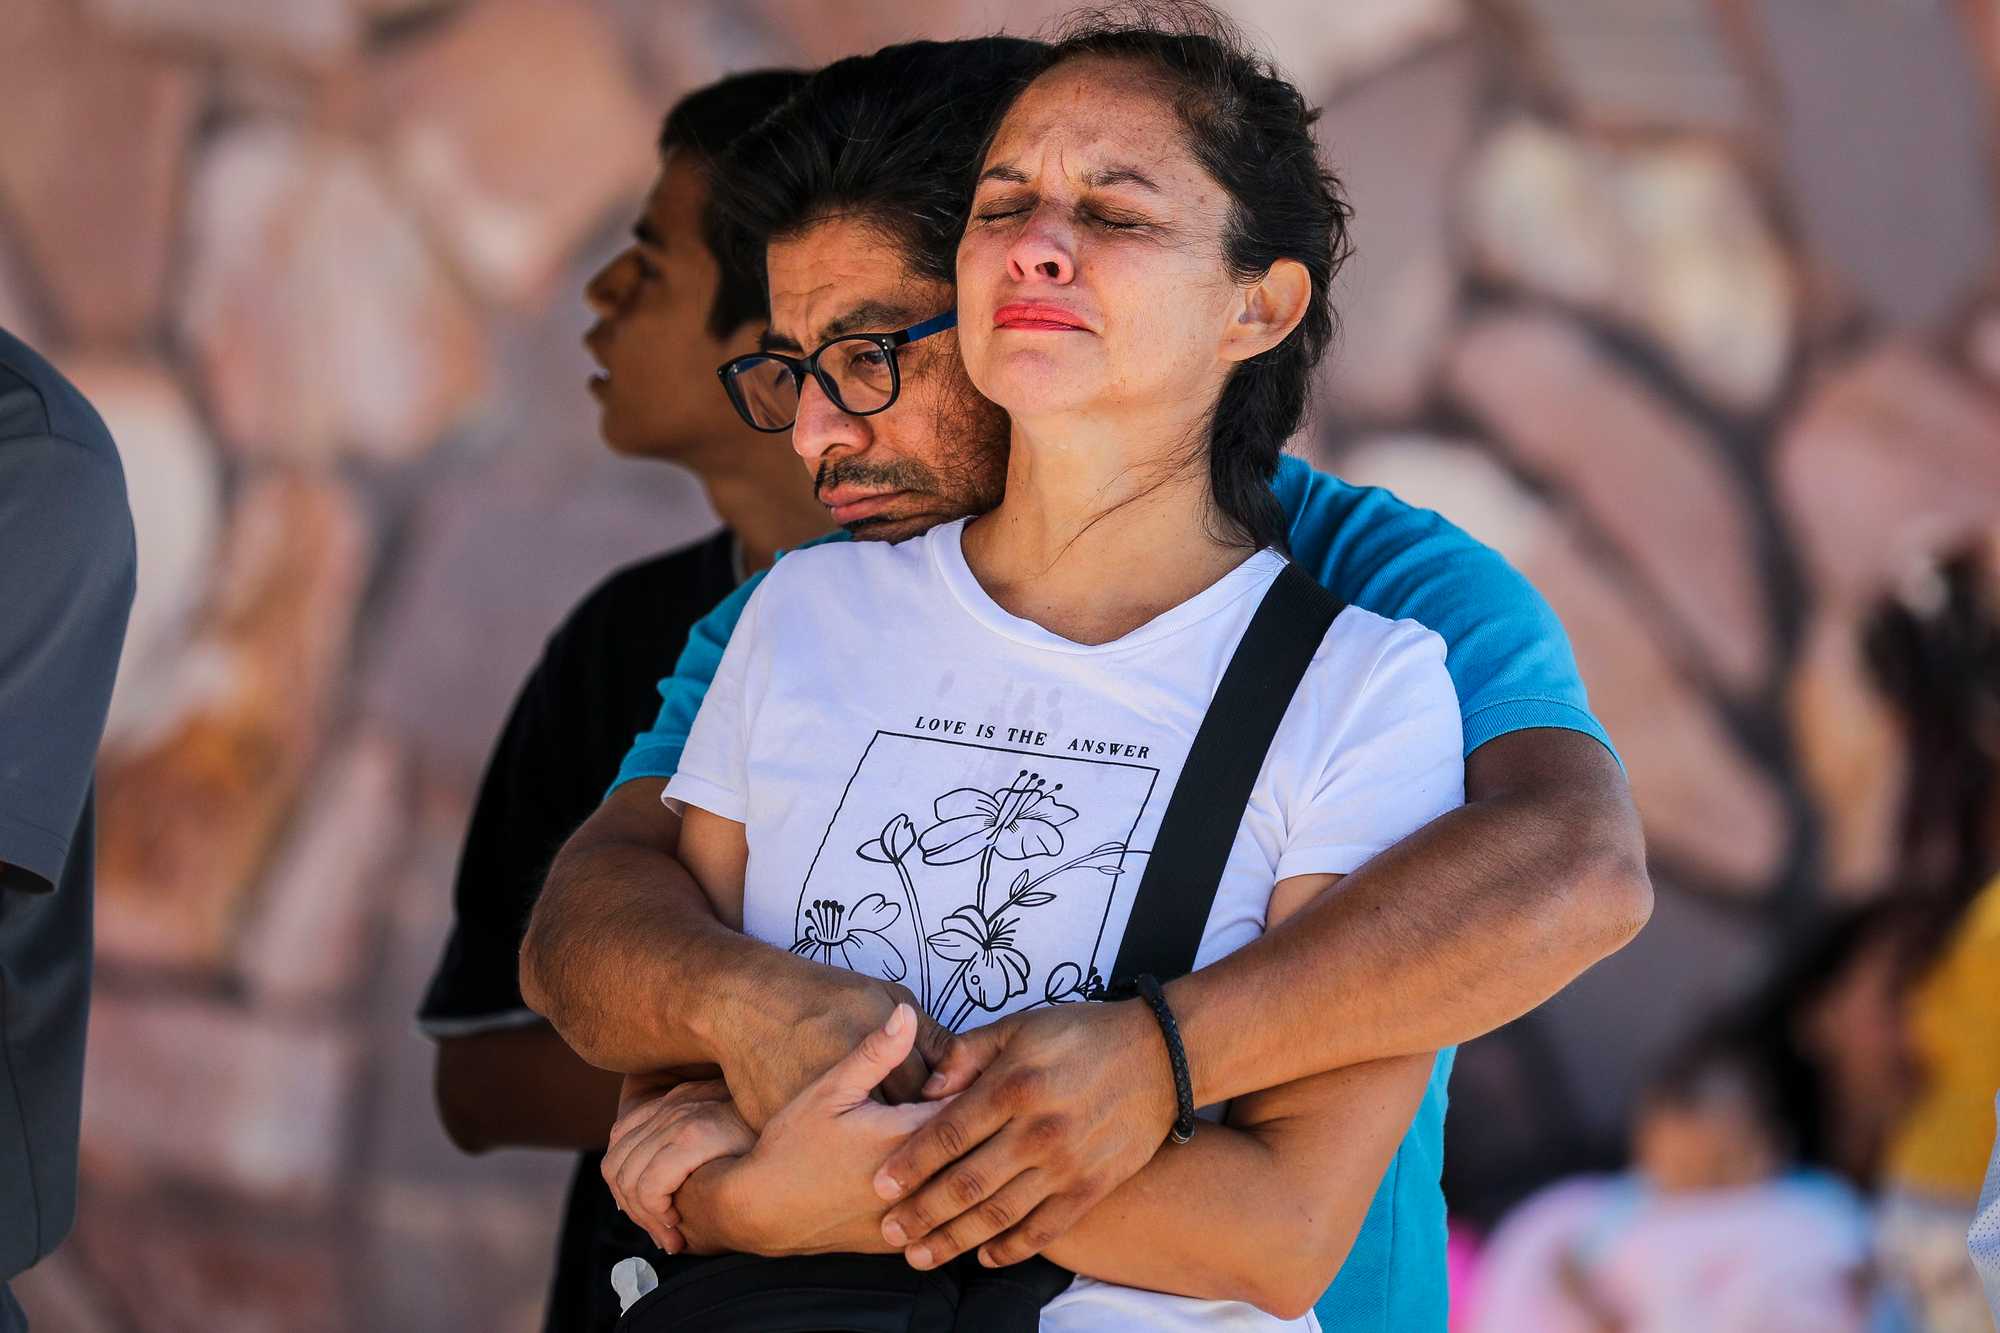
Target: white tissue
{"x":631,"y":1279}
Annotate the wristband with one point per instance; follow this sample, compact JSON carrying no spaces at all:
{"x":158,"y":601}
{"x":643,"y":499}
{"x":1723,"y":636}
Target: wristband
{"x":1149,"y":990}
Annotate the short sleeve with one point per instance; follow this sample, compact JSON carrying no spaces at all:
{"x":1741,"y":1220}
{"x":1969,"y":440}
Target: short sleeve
{"x":1509,"y":657}
{"x":1387,"y":757}
{"x":67,"y":578}
{"x":713,"y":769}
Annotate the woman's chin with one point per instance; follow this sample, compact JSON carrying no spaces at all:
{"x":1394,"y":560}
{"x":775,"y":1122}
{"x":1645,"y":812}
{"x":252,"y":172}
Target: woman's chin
{"x":1029,"y":386}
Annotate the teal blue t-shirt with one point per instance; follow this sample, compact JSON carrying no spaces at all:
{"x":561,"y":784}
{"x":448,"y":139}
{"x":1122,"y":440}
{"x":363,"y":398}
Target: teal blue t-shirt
{"x":1512,"y":666}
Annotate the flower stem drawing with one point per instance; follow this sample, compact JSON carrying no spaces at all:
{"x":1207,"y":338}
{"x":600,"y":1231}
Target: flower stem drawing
{"x":1020,"y":821}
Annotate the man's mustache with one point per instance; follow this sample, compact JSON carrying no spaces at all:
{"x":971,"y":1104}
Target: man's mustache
{"x":903,"y":474}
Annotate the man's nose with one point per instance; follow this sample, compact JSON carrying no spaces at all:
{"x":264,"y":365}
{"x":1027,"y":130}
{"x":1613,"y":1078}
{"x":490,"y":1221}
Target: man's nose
{"x":1042,"y":250}
{"x":822,"y":429}
{"x":607,"y":288}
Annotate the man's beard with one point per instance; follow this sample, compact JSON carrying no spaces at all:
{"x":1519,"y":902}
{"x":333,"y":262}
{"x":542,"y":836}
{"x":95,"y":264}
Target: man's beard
{"x":965,"y":480}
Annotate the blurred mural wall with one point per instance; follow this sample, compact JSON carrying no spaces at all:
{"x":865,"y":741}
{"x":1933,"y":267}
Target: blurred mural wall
{"x":1689,"y":306}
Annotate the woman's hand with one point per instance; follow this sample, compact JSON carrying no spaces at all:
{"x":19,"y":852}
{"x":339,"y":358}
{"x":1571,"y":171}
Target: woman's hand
{"x":659,"y":1141}
{"x":805,"y":1188}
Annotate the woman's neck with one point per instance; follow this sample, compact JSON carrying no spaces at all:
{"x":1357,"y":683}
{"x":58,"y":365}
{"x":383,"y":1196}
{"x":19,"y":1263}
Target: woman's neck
{"x":1106,"y":524}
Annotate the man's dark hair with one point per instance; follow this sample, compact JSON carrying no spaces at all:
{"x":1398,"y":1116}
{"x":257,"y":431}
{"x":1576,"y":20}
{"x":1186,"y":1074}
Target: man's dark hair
{"x":1251,"y":130}
{"x":704,"y":124}
{"x":892,"y":138}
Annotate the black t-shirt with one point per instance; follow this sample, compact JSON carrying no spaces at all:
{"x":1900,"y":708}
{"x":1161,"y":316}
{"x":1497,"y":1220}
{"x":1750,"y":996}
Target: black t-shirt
{"x":67,"y":571}
{"x":595,"y":688}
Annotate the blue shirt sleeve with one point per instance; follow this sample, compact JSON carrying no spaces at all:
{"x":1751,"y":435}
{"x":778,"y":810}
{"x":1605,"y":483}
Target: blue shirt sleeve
{"x":1509,"y":659}
{"x":657,"y":753}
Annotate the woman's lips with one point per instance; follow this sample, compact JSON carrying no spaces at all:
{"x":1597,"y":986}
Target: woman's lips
{"x":1033,"y":315}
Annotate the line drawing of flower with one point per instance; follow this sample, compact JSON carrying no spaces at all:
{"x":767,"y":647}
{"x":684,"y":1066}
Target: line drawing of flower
{"x":992,"y":970}
{"x":853,"y":936}
{"x":1016,"y":823}
{"x":896,"y":841}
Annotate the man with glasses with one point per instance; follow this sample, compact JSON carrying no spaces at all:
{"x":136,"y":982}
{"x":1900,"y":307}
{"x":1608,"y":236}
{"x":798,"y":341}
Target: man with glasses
{"x":1462,"y":927}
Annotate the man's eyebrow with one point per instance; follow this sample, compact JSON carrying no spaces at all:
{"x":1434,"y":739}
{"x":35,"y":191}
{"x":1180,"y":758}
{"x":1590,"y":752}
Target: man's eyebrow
{"x":1006,"y":171}
{"x":870,"y":317}
{"x":1104,"y":177}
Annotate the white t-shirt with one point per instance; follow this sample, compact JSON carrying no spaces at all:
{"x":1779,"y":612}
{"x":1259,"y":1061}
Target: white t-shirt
{"x":937,"y":792}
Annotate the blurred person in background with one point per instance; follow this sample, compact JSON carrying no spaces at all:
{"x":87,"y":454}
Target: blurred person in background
{"x":1715,"y":1227}
{"x":675,"y":304}
{"x":68,"y":571}
{"x":1935,"y":650}
{"x":1983,"y":1241}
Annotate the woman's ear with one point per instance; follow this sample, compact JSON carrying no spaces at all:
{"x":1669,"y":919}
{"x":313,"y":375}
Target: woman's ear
{"x":1267,"y":310}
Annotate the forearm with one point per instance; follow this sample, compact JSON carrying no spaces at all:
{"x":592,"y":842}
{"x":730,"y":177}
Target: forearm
{"x":1264,"y":1213}
{"x":627,"y":959}
{"x":522,"y":1088}
{"x":1466,"y":925}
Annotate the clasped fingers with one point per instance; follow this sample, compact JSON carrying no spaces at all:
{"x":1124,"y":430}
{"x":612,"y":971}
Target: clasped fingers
{"x":651,"y":1156}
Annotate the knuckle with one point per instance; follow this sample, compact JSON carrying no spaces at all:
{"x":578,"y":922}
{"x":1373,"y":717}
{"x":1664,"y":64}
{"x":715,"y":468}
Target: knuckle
{"x":1023,"y":1085}
{"x":967,"y":1187}
{"x":1046,"y":1134}
{"x":949,"y":1137}
{"x":995,"y":1215}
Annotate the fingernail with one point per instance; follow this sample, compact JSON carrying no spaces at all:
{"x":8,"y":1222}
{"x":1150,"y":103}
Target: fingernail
{"x":900,"y":1020}
{"x":892,"y":1231}
{"x":886,"y":1186}
{"x":920,"y":1257}
{"x":935,"y":1083}
{"x":985,"y":1259}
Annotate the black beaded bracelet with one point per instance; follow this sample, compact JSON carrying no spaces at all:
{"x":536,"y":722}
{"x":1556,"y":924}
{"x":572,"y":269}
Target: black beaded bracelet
{"x":1149,"y":990}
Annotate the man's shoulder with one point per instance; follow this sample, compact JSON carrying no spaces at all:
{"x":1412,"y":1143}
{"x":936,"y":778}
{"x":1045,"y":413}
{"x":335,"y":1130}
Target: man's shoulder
{"x":37,"y":402}
{"x":1327,"y":513}
{"x":837,"y":560}
{"x":664,"y":591}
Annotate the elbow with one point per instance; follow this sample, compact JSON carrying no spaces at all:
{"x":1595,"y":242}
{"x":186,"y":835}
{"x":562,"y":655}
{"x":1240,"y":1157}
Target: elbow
{"x":1317,"y":1247}
{"x":1604,"y":894}
{"x":1617,"y":894}
{"x":1288,"y":1300}
{"x":533,"y":976}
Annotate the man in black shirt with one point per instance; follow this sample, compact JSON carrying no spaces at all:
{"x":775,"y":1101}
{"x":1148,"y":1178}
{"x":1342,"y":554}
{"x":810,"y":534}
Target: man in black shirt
{"x":67,"y":575}
{"x":671,"y":307}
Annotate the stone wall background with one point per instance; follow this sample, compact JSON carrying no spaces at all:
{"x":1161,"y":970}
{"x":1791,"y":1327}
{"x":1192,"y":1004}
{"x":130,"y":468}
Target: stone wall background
{"x":1689,"y":306}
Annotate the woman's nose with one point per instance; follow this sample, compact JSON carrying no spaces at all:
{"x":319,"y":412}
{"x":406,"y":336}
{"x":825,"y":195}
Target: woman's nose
{"x":1041,"y":251}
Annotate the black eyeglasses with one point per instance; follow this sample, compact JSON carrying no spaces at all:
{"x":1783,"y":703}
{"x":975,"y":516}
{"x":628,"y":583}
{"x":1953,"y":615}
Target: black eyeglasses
{"x":857,"y":370}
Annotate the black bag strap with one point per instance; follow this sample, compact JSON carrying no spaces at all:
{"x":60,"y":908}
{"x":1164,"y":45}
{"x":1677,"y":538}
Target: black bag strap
{"x":1170,"y":911}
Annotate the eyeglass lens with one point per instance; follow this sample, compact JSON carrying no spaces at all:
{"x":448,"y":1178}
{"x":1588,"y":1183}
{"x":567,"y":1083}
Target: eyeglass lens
{"x":859,"y":368}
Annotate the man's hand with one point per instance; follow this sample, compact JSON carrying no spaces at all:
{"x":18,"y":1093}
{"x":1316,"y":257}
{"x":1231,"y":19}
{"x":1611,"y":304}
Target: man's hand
{"x":1059,"y":1107}
{"x":805,"y":1187}
{"x":767,"y":1073}
{"x":659,"y":1141}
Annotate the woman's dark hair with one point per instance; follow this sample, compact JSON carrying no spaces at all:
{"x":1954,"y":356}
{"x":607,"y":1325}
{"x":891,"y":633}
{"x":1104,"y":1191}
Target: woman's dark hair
{"x":891,"y":138}
{"x":705,"y":123}
{"x":1251,"y":130}
{"x":1805,"y":976}
{"x":1936,"y":654}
